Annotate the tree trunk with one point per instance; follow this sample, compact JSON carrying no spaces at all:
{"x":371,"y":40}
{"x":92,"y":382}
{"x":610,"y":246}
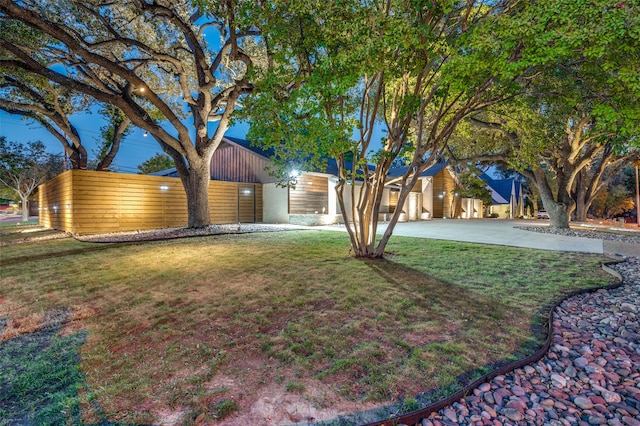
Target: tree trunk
{"x":196,"y":186}
{"x":580,"y":198}
{"x":559,"y":212}
{"x":77,"y":156}
{"x":581,"y":209}
{"x":363,"y":222}
{"x":118,"y":132}
{"x":25,"y":208}
{"x":402,"y":198}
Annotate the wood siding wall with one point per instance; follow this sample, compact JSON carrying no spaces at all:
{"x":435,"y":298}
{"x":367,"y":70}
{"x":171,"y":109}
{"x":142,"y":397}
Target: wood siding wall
{"x":443,"y":182}
{"x":393,"y":199}
{"x":232,"y":163}
{"x":87,"y":202}
{"x":310,"y":196}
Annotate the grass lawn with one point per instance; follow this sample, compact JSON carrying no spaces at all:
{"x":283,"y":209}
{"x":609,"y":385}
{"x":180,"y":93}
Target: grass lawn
{"x":204,"y":328}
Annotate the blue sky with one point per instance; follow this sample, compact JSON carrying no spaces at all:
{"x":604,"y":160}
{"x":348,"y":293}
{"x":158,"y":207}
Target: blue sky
{"x":135,"y":149}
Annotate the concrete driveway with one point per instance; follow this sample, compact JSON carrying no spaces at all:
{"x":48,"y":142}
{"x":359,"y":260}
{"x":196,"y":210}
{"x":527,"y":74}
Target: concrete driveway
{"x":495,"y":231}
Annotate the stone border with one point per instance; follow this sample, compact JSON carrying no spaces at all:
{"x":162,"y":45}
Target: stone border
{"x":415,"y":417}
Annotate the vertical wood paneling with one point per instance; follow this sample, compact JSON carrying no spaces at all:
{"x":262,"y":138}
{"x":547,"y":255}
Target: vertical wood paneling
{"x":235,"y":164}
{"x":443,"y":182}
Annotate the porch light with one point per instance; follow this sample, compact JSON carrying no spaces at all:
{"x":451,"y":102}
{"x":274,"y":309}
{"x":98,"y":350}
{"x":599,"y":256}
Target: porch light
{"x":246,"y":192}
{"x":164,"y":187}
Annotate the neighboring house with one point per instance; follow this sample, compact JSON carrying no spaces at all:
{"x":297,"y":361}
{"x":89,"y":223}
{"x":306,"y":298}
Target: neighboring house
{"x":507,"y":199}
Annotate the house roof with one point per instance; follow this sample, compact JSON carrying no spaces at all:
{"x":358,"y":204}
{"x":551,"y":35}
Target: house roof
{"x":500,"y":188}
{"x":172,"y":172}
{"x":266,"y":153}
{"x":485,"y":177}
{"x":503,"y":187}
{"x":431,"y":171}
{"x":331,"y":164}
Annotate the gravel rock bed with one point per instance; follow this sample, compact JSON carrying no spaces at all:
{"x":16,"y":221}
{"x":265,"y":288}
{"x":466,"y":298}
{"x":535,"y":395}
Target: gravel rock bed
{"x":584,"y":233}
{"x":171,"y":233}
{"x":590,"y":376}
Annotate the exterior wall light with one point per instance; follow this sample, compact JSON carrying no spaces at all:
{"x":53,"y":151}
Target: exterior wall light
{"x":164,"y":187}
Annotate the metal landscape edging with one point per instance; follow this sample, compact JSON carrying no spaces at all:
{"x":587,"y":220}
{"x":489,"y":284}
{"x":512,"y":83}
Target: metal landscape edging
{"x":415,"y":417}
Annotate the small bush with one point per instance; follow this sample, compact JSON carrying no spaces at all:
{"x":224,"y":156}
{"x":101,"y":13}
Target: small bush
{"x":410,"y":404}
{"x":224,"y":409}
{"x":294,"y":387}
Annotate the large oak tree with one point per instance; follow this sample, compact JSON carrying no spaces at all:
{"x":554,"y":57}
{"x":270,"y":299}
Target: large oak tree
{"x":157,"y":61}
{"x":578,"y":122}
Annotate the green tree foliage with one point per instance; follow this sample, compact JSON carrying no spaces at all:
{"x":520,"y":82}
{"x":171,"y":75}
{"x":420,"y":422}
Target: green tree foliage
{"x":157,"y":62}
{"x":24,"y":167}
{"x":472,"y":186}
{"x":342,"y":70}
{"x":155,"y":164}
{"x":614,"y":199}
{"x":579,"y":119}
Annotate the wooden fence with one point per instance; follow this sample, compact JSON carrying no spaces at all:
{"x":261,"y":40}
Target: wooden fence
{"x":89,"y":202}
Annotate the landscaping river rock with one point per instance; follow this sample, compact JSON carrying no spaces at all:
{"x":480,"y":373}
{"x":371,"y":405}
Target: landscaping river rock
{"x":590,"y":376}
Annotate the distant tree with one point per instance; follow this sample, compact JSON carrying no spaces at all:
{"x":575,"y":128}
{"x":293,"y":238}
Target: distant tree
{"x":577,"y":112}
{"x":472,"y":186}
{"x":612,"y":200}
{"x":24,"y":167}
{"x":593,"y":179}
{"x":155,"y":164}
{"x":117,"y":127}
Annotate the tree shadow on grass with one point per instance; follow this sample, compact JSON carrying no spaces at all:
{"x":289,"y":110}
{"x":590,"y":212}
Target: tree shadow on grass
{"x":457,"y":298}
{"x":40,"y":378}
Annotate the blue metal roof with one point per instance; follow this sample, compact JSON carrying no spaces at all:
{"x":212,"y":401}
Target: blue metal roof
{"x":331,"y":164}
{"x":172,"y":172}
{"x":431,"y":171}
